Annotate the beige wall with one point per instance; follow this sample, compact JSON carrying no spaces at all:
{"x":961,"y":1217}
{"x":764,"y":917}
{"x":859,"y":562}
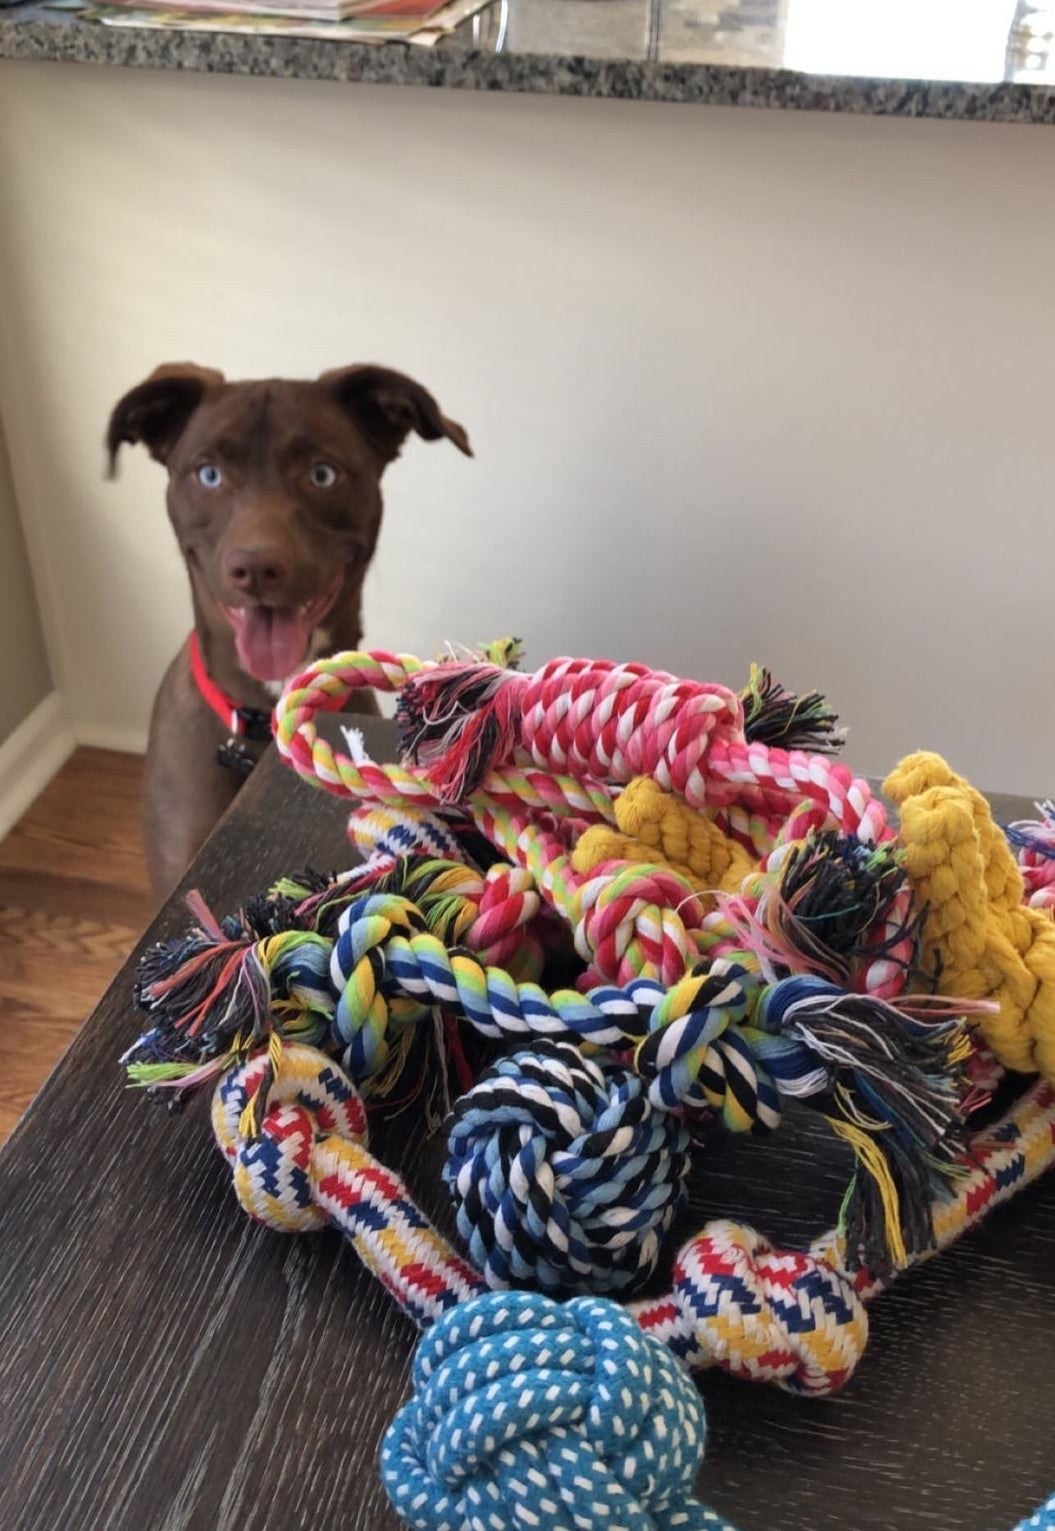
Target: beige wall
{"x":24,"y":676}
{"x":742,"y":384}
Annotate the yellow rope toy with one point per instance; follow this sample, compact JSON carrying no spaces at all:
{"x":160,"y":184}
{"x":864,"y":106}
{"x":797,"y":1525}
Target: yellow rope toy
{"x":658,"y":828}
{"x":980,"y":941}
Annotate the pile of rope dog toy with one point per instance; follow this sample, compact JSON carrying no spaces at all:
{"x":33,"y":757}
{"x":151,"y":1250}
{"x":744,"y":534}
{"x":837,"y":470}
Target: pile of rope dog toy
{"x":603,"y":914}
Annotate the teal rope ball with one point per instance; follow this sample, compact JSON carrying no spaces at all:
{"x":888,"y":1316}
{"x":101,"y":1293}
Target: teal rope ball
{"x":529,"y":1413}
{"x":1042,"y":1520}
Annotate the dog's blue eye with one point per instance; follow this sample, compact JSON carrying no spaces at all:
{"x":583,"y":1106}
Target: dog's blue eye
{"x":323,"y":476}
{"x":209,"y":476}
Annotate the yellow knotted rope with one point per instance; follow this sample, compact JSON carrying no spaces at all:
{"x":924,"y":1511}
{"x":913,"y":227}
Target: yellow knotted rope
{"x":660,"y":829}
{"x":979,"y":940}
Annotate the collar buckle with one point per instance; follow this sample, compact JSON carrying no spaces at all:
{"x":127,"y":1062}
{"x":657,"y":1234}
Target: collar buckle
{"x":251,"y":723}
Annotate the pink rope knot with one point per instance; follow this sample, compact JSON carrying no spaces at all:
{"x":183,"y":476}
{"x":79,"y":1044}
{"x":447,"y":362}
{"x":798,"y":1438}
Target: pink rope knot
{"x":587,"y":718}
{"x":766,"y":785}
{"x":508,"y":902}
{"x":621,"y":721}
{"x":636,"y":922}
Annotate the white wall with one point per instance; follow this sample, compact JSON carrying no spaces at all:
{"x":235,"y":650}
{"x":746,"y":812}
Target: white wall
{"x":742,"y":384}
{"x":24,"y":677}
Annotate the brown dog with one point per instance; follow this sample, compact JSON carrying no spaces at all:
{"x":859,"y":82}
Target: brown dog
{"x":274,"y":495}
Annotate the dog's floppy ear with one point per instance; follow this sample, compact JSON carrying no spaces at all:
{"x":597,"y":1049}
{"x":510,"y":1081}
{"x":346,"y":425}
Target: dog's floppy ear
{"x":388,"y":405}
{"x":157,"y":411}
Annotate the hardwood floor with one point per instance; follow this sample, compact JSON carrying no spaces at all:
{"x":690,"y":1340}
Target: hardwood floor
{"x":74,"y":897}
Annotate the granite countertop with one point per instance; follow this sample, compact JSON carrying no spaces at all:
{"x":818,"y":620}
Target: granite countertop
{"x":991,"y":60}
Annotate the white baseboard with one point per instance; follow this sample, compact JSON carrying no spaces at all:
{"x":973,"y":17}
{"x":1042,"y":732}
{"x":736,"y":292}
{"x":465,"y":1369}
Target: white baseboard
{"x":30,"y":757}
{"x":103,"y":736}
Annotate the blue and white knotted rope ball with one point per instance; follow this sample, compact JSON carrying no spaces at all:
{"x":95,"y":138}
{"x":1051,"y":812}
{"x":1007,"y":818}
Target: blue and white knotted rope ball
{"x":563,"y":1173}
{"x":532,"y":1415}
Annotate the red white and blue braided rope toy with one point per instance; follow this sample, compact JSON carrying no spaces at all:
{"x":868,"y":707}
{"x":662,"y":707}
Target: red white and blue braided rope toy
{"x":613,"y":803}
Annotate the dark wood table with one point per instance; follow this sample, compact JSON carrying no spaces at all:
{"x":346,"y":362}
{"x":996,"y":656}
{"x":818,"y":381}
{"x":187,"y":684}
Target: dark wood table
{"x":166,"y":1365}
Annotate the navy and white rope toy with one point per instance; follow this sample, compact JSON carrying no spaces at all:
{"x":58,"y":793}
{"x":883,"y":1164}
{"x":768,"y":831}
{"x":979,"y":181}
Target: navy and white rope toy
{"x":564,"y":1175}
{"x":532,"y":1415}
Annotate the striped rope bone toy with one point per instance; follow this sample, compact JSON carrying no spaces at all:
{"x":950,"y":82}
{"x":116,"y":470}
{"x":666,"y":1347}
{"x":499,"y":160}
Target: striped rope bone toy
{"x":735,"y":1303}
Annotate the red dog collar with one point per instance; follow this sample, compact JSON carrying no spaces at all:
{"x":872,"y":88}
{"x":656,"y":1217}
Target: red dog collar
{"x":243,"y":722}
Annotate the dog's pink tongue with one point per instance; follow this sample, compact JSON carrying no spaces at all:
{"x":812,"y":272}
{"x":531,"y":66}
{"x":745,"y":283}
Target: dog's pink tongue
{"x":271,"y":641}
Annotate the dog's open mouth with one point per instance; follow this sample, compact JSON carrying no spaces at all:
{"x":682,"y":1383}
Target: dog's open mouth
{"x":273,"y":641}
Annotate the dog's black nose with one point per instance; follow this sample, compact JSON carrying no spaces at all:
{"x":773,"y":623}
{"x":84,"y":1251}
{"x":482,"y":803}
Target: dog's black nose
{"x":257,"y":571}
